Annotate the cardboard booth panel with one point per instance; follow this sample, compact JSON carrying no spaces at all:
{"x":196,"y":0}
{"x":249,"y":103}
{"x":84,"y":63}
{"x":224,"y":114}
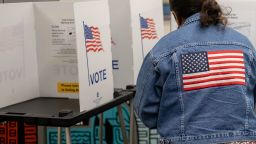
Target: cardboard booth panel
{"x":18,"y":63}
{"x":126,"y":41}
{"x":94,"y":53}
{"x":39,"y":56}
{"x":147,"y":28}
{"x":56,"y":48}
{"x":136,"y":26}
{"x":121,"y":41}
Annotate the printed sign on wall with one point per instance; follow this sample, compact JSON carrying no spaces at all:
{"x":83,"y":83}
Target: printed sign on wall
{"x":94,"y":53}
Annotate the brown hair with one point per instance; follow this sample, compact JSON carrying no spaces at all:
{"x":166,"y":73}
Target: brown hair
{"x":210,"y":10}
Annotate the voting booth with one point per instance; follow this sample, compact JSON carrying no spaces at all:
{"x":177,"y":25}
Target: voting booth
{"x":43,"y":51}
{"x":136,"y":26}
{"x":56,"y":65}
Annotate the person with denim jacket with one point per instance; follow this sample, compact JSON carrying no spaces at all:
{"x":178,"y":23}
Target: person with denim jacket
{"x":197,"y":85}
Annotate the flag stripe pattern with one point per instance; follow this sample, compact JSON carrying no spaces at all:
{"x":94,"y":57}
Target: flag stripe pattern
{"x":92,"y":39}
{"x":212,"y":69}
{"x":148,"y":28}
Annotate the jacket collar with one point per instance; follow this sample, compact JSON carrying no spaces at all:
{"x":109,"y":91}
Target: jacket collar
{"x":195,"y":17}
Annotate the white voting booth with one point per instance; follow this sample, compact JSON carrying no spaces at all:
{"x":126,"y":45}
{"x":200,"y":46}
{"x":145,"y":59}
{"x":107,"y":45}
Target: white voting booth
{"x":43,"y":47}
{"x":136,"y":26}
{"x":94,"y":53}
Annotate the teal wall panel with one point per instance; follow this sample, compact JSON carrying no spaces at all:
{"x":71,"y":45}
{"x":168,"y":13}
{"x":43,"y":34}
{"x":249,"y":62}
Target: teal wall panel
{"x":111,"y":132}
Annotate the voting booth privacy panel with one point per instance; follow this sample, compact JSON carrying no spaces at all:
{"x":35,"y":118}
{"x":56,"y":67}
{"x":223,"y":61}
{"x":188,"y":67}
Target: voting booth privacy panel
{"x":18,"y":65}
{"x":94,"y":53}
{"x":56,"y":49}
{"x":136,"y":26}
{"x":39,"y":55}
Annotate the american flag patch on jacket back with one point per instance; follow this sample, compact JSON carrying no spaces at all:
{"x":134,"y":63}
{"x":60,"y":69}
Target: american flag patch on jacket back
{"x":212,"y":69}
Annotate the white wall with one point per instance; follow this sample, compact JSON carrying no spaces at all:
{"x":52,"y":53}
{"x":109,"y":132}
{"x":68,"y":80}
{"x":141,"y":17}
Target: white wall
{"x":16,"y":1}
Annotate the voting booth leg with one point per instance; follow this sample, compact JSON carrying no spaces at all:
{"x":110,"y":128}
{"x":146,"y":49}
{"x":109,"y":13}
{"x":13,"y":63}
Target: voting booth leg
{"x":42,"y":134}
{"x":122,"y":124}
{"x":59,"y":135}
{"x":68,"y":136}
{"x":67,"y":133}
{"x":131,"y":121}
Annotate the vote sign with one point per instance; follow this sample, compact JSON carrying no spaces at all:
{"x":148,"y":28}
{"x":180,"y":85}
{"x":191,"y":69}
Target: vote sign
{"x":94,"y":53}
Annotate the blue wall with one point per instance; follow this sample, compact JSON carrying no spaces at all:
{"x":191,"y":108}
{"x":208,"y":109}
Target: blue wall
{"x":166,"y":9}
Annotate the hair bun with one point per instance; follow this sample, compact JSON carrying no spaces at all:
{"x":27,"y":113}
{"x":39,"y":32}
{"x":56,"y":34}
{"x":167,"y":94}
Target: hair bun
{"x":211,"y":13}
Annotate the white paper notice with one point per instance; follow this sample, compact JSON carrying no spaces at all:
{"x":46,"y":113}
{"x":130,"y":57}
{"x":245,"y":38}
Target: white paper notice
{"x":63,"y":38}
{"x":56,"y":28}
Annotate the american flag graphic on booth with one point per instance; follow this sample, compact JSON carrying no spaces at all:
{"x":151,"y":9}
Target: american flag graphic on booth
{"x":148,"y":28}
{"x":212,"y":69}
{"x":92,"y":39}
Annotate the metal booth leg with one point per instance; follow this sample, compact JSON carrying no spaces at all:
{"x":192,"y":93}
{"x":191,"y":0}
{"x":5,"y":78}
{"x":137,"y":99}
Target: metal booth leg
{"x":68,"y":137}
{"x":64,"y":113}
{"x":67,"y":133}
{"x":122,"y":123}
{"x":59,"y":135}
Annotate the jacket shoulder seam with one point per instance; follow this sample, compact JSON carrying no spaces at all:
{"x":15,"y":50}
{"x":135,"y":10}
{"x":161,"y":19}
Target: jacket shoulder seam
{"x":191,"y":45}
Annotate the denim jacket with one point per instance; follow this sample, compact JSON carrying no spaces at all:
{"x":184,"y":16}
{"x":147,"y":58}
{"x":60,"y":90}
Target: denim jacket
{"x":197,"y":86}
